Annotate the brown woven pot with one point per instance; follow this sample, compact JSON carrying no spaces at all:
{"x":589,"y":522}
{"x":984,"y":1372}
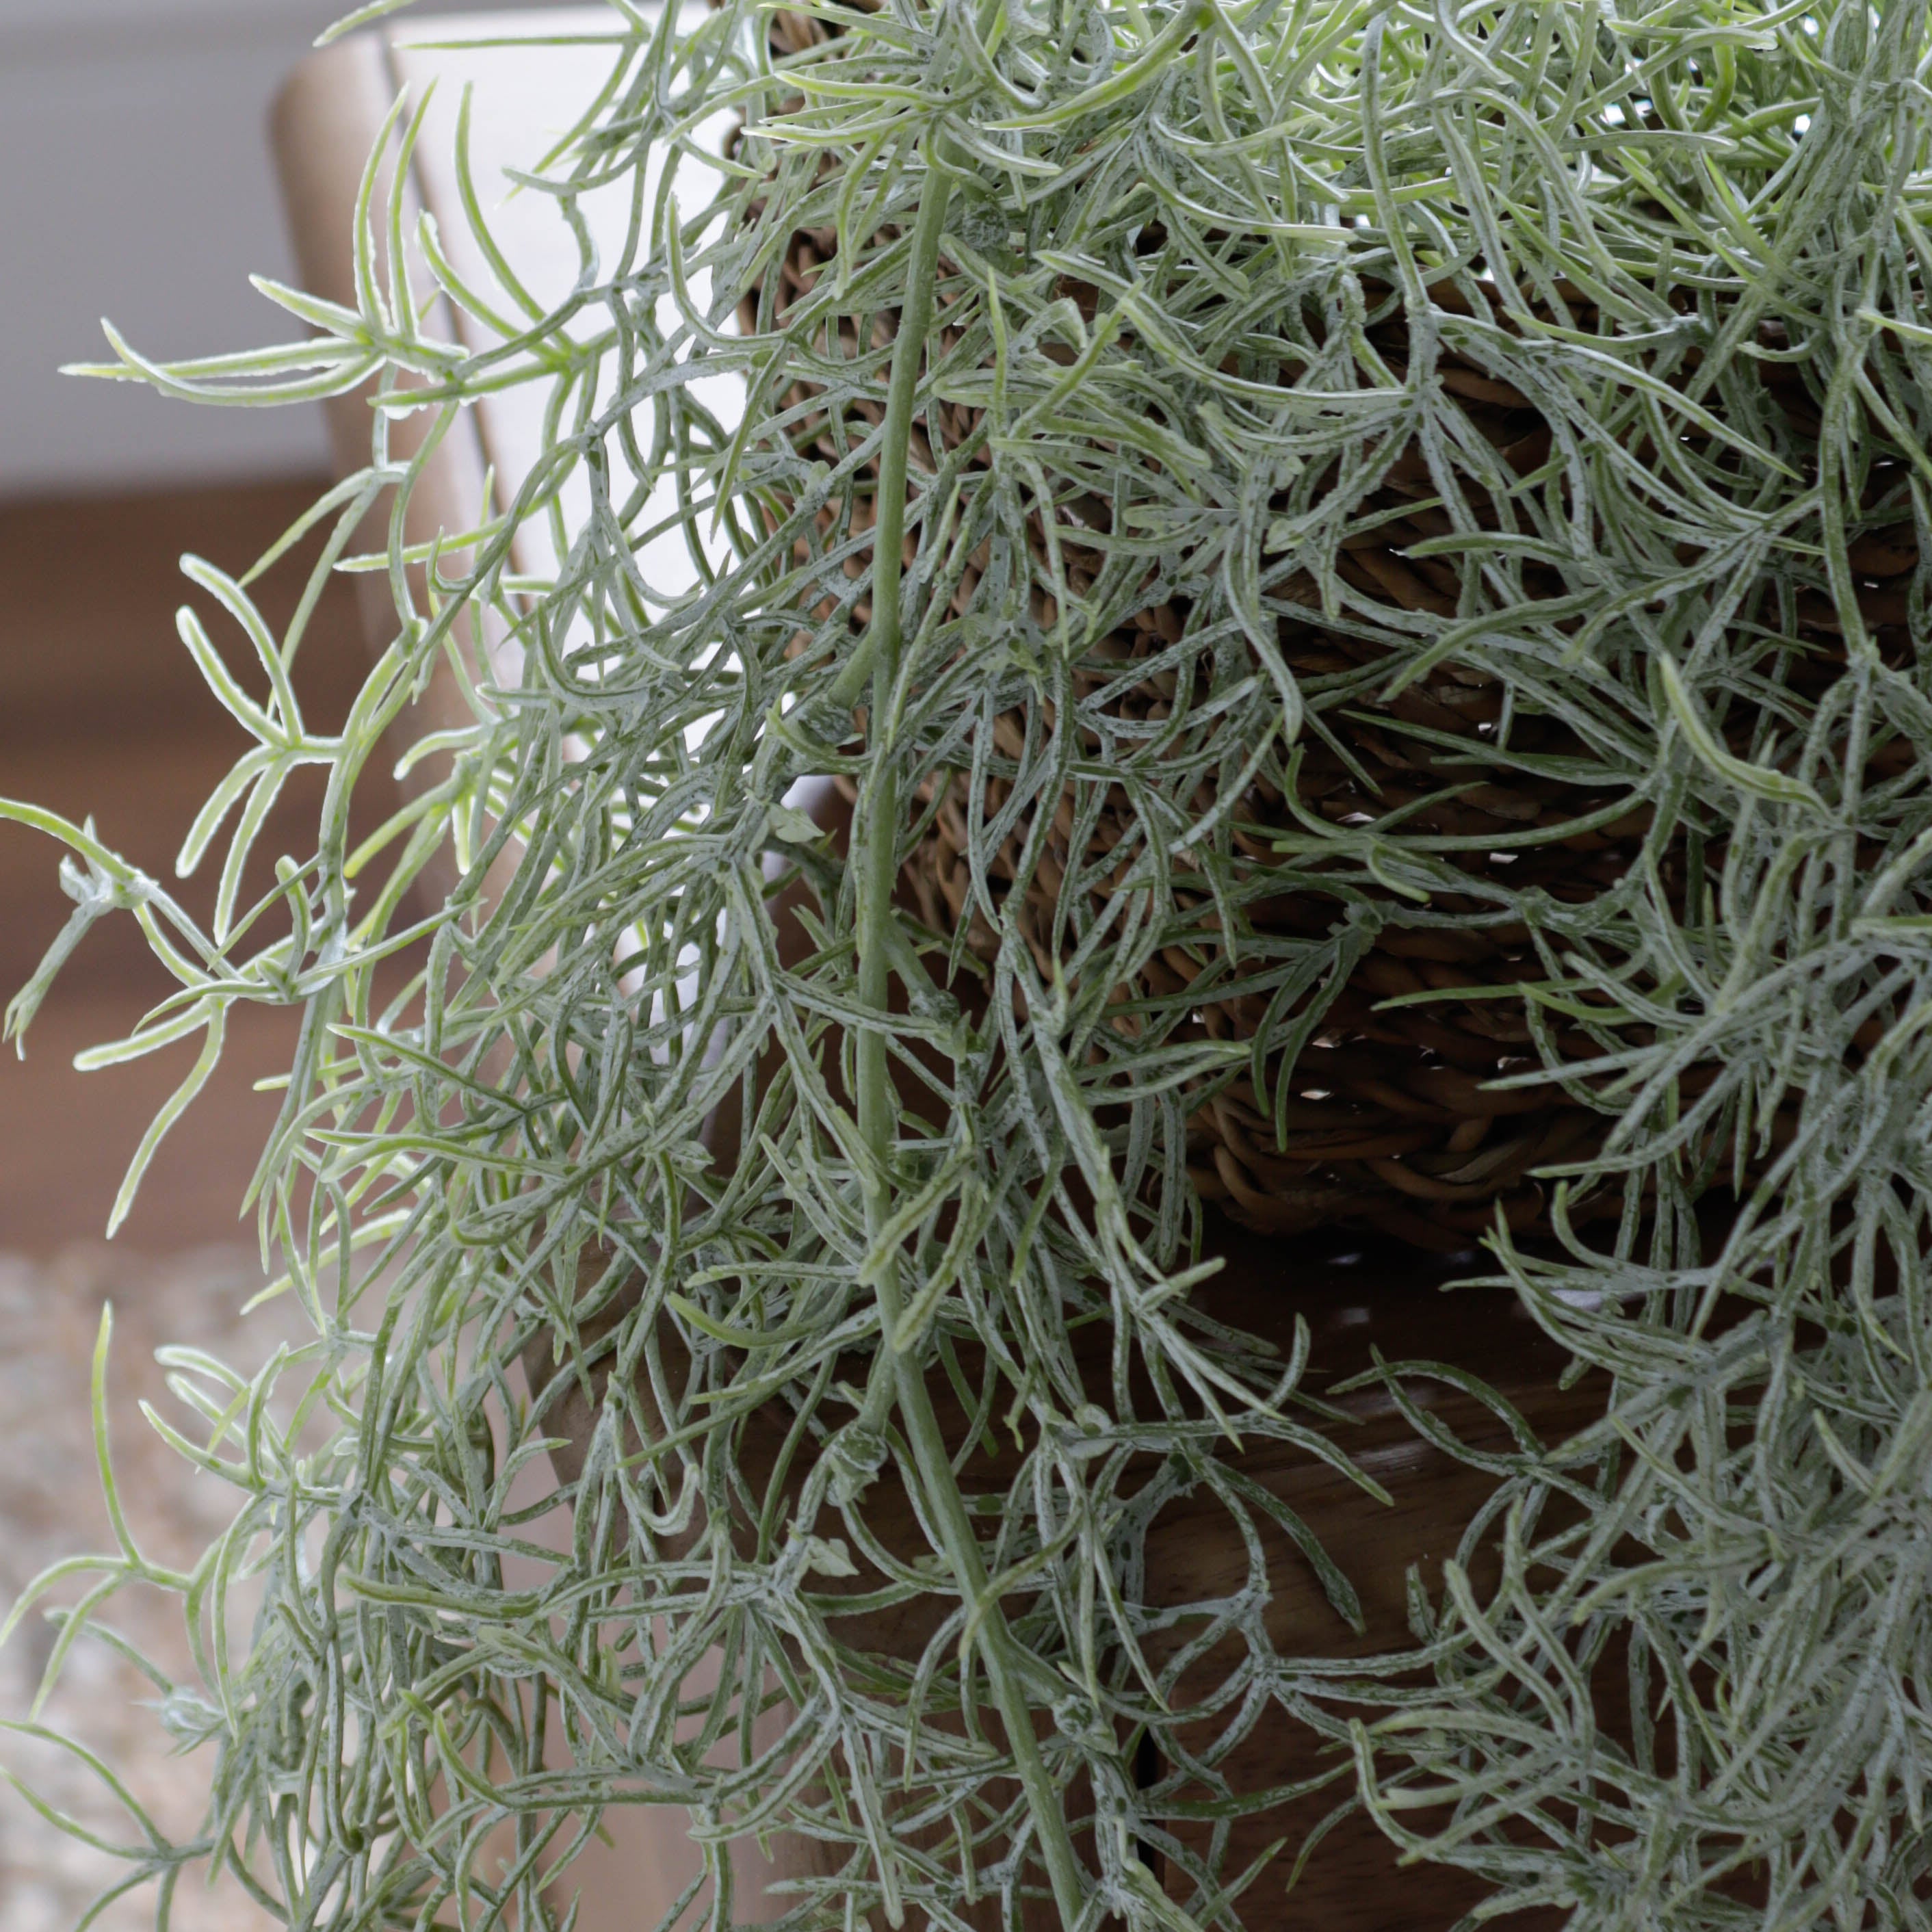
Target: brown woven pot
{"x":1386,"y":1122}
{"x":1194,"y":1553}
{"x":1355,"y":1310}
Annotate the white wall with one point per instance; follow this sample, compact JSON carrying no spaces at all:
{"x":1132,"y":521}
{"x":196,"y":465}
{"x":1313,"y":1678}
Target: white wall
{"x":135,"y":183}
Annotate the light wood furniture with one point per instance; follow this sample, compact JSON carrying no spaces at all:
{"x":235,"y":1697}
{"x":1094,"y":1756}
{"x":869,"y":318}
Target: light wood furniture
{"x":326,"y":124}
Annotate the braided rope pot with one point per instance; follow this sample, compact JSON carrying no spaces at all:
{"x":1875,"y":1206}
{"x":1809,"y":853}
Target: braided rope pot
{"x":1360,"y":1112}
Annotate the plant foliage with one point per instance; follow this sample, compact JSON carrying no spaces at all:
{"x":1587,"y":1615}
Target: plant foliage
{"x":507,"y":1152}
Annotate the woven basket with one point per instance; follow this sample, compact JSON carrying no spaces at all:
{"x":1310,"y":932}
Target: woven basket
{"x":1387,"y":1125}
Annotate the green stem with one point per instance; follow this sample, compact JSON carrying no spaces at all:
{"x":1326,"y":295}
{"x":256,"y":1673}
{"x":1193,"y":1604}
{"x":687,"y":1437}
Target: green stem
{"x":875,"y":840}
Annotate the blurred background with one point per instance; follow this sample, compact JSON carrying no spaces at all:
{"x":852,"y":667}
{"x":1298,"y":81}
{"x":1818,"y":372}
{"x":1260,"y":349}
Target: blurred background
{"x":135,"y":183}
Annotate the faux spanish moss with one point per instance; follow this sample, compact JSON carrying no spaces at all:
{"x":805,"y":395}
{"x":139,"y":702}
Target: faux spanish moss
{"x":1108,"y":320}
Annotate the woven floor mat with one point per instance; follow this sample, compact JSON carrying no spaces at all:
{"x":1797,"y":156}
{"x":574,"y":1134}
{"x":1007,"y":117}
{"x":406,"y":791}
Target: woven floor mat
{"x":51,"y":1506}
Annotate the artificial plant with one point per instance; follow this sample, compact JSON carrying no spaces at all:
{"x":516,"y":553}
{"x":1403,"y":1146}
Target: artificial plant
{"x":1116,"y":308}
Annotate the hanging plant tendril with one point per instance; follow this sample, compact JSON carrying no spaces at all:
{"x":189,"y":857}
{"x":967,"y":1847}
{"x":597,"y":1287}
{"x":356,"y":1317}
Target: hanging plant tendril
{"x":1362,"y":569}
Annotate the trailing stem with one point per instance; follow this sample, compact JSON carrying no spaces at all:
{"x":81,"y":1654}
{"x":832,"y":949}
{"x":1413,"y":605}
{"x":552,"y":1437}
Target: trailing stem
{"x":875,"y":855}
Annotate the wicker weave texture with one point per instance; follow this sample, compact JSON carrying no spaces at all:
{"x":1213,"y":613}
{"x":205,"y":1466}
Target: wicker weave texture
{"x":1381,"y":1117}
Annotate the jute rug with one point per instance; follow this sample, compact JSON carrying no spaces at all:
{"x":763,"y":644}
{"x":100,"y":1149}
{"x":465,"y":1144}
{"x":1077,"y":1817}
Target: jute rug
{"x":51,"y":1506}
